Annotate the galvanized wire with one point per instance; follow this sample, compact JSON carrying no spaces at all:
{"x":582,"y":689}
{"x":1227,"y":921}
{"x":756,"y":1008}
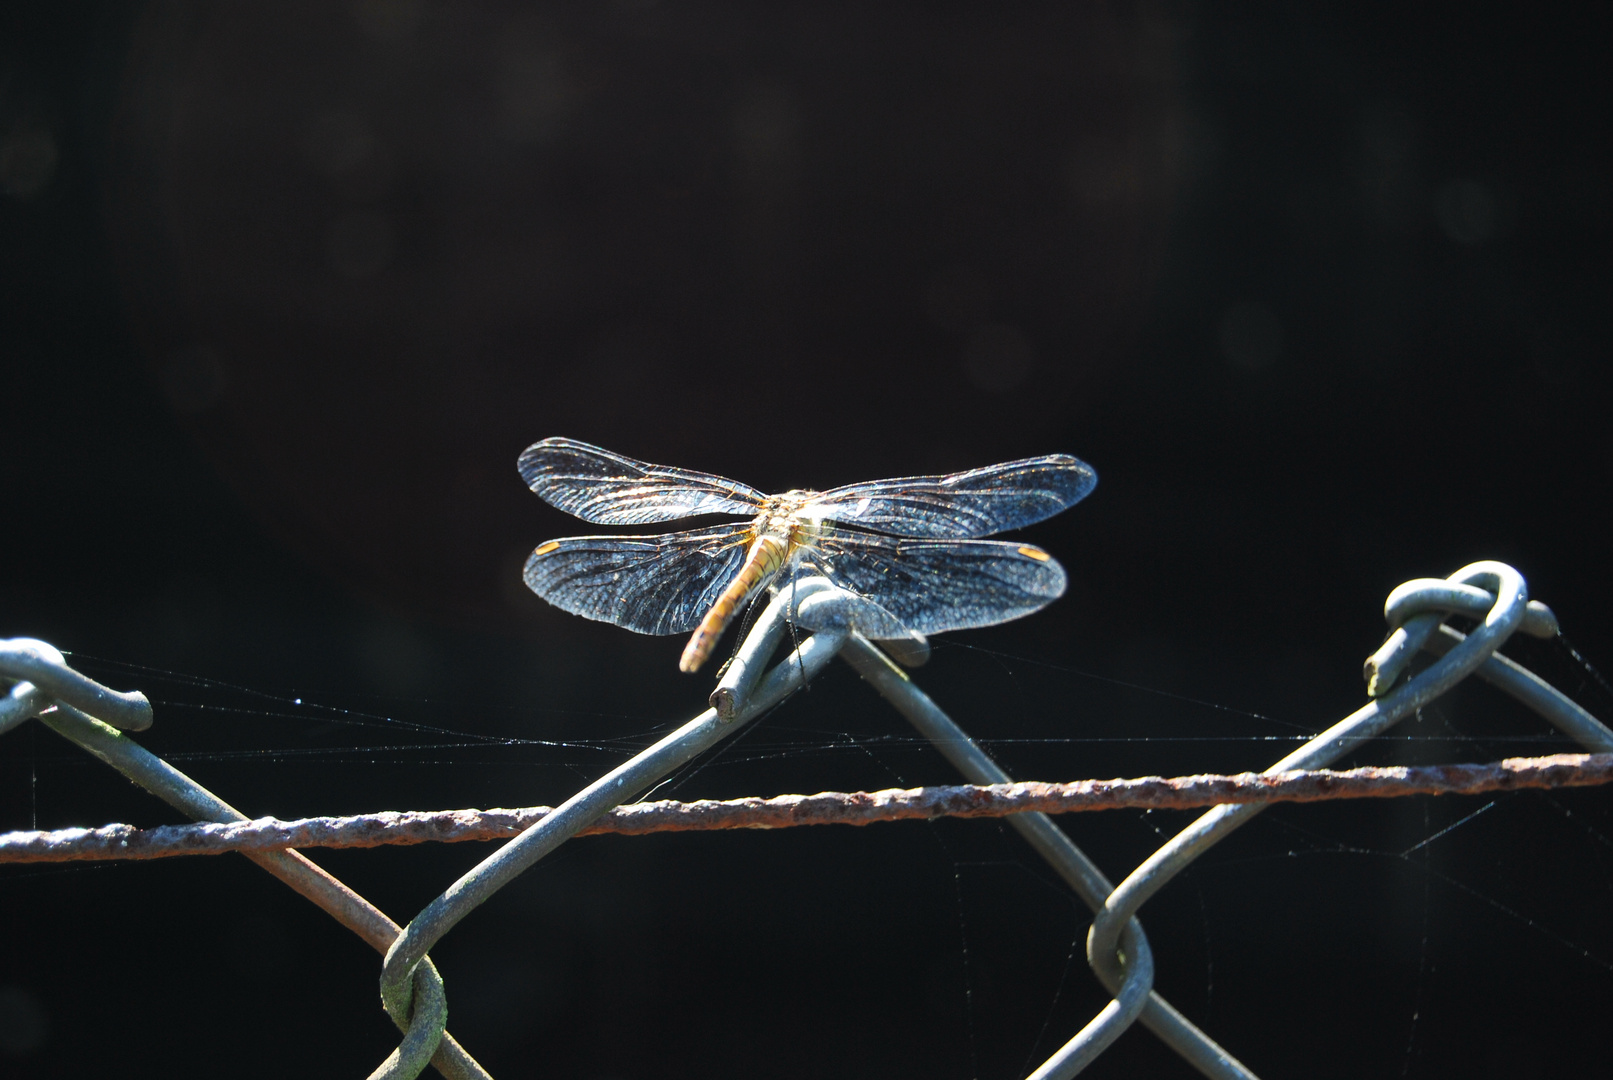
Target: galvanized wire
{"x":43,"y":676}
{"x":614,"y":788}
{"x":1465,"y":655}
{"x":1118,"y":950}
{"x":22,"y":658}
{"x":1133,"y":988}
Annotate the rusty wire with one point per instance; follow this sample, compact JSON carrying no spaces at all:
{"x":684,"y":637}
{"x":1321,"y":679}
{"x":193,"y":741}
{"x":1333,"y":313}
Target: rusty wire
{"x":401,"y":827}
{"x":1118,"y":950}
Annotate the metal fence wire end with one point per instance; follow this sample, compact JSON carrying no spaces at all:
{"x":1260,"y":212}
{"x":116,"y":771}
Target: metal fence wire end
{"x":43,"y":675}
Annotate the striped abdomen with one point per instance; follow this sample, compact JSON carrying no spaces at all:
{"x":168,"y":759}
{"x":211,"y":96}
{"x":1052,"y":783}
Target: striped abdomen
{"x":767,"y":554}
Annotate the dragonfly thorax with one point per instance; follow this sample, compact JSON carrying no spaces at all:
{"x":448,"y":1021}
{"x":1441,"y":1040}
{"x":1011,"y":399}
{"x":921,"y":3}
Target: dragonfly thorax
{"x":786,"y":517}
{"x":791,"y":502}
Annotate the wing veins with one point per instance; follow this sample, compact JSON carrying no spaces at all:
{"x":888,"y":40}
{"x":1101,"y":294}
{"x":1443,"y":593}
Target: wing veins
{"x":650,"y":584}
{"x":607,"y":488}
{"x":933,"y":586}
{"x":963,"y":505}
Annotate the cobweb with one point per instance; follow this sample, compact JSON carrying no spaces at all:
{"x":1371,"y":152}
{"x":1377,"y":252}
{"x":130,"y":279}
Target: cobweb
{"x":1402,"y":937}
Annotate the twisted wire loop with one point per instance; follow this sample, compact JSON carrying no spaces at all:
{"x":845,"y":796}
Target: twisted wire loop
{"x":43,"y":675}
{"x":1415,"y":611}
{"x":1132,"y":985}
{"x":399,"y":984}
{"x":818,"y":603}
{"x":43,"y":679}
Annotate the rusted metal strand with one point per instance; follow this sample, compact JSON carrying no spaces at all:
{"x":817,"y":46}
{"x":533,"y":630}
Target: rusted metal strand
{"x":826,"y":808}
{"x":291,"y":867}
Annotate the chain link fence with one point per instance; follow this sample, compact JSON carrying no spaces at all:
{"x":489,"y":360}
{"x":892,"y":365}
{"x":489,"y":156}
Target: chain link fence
{"x":97,"y":719}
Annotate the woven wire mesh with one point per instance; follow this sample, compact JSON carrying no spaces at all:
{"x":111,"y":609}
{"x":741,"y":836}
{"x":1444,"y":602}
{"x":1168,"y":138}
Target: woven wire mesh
{"x":96,"y":718}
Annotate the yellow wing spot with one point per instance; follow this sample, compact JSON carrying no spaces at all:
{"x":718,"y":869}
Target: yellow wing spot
{"x":552,"y":544}
{"x":1034,"y":553}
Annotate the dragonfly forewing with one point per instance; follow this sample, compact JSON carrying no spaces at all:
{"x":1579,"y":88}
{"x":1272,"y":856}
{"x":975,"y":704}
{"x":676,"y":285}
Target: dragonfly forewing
{"x":612,"y":489}
{"x":962,"y":505}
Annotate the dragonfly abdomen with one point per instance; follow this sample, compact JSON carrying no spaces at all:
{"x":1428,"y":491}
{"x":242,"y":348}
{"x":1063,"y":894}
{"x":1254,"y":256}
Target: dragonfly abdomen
{"x":766,"y":555}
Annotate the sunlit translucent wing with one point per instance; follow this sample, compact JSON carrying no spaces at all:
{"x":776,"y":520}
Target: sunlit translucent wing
{"x":933,"y":586}
{"x":978,"y":502}
{"x":610,"y":489}
{"x":651,"y":584}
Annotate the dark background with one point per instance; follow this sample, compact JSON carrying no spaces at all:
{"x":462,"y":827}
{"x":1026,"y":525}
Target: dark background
{"x":1320,"y":290}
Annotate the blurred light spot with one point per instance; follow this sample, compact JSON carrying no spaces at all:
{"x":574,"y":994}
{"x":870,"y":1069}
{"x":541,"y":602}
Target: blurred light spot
{"x":1466,"y":210}
{"x":1189,"y":147}
{"x":1388,"y":144}
{"x":27,"y":160}
{"x":1388,"y":135}
{"x":538,"y":93}
{"x":23,"y":1024}
{"x":764,"y":126}
{"x":1250,"y":335}
{"x":396,"y":659}
{"x":1099,"y":174}
{"x":1557,"y":354}
{"x":1163,"y":40}
{"x":389,"y":20}
{"x":767,"y":152}
{"x":359,"y":245}
{"x":192,"y":380}
{"x":958,"y":298}
{"x":765,"y":144}
{"x":1381,"y":333}
{"x":998,"y":357}
{"x":1313,"y":214}
{"x":1241,"y":55}
{"x":339,"y":142}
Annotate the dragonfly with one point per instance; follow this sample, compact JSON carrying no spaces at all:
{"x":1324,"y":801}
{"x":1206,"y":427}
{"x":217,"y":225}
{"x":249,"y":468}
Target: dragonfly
{"x":910,"y":547}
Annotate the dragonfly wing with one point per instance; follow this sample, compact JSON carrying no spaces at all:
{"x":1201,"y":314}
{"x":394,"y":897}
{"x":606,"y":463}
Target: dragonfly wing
{"x":933,"y":586}
{"x":965,"y":504}
{"x":610,"y":489}
{"x":651,"y":584}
